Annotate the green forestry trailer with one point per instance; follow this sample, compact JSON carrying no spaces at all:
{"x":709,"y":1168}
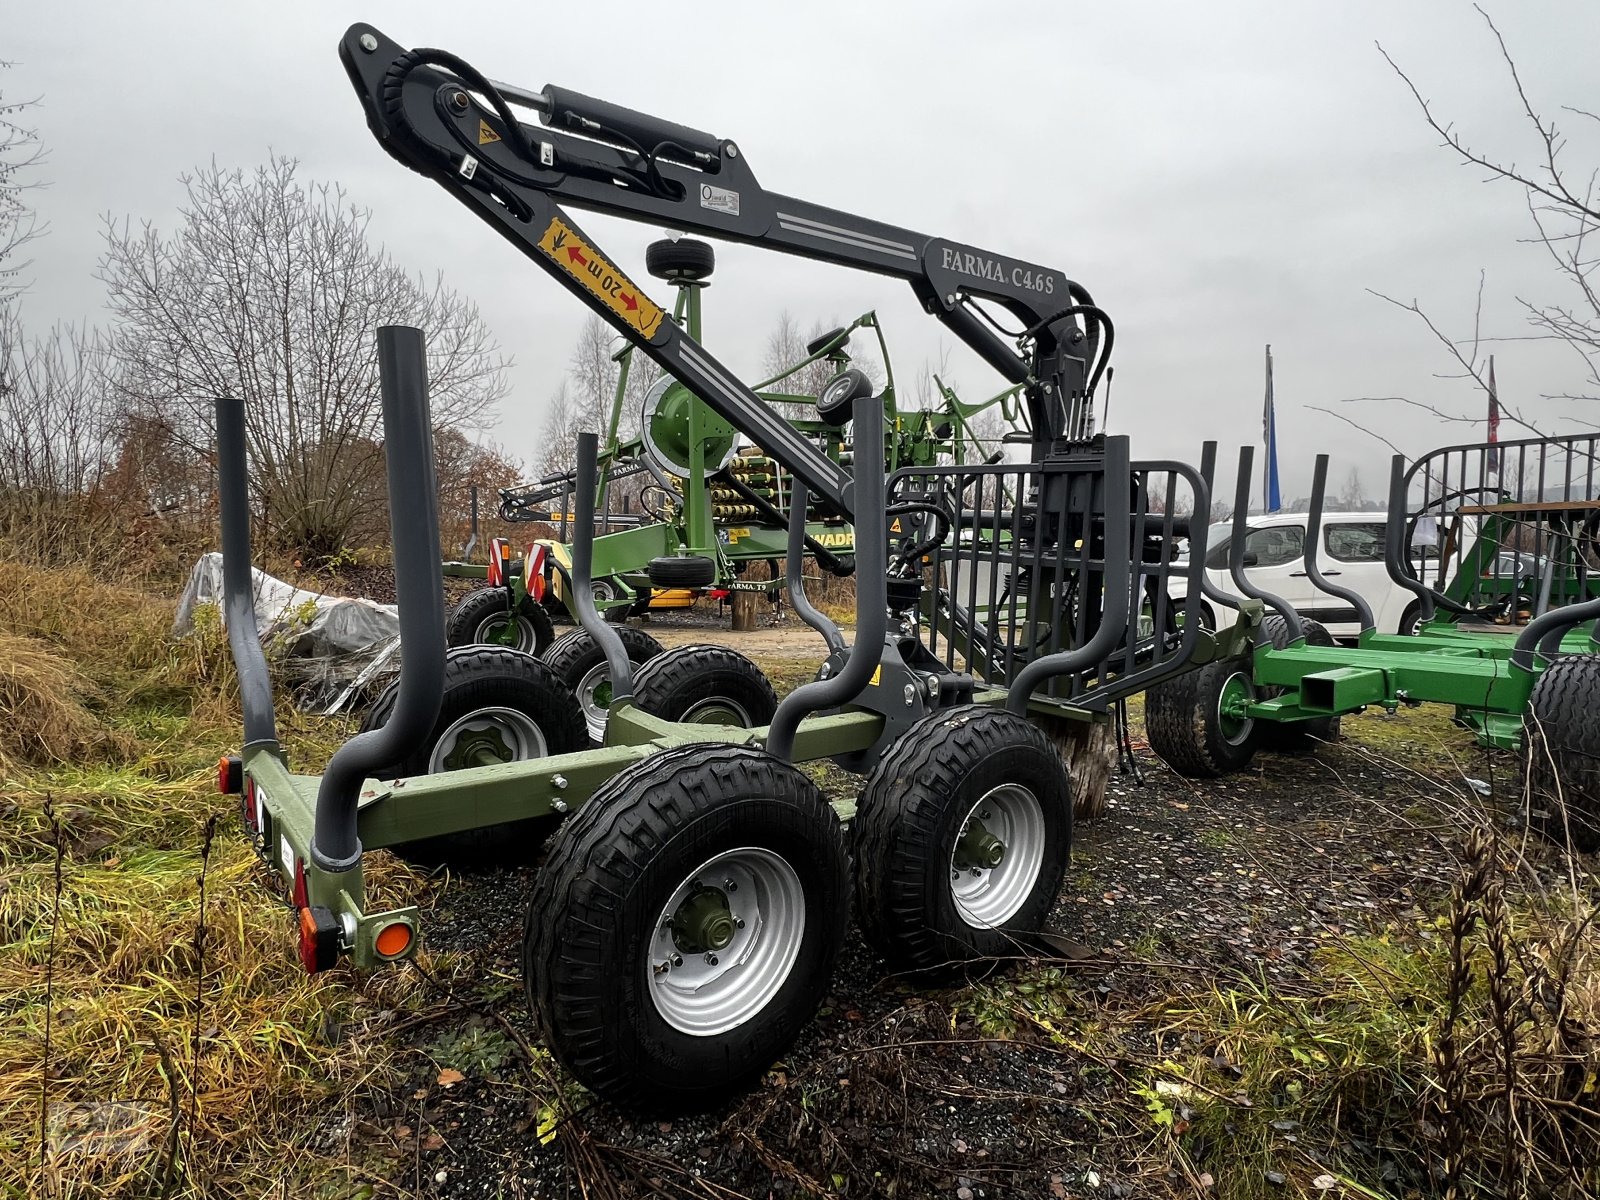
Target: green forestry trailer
{"x":683,"y":926}
{"x":1530,"y":687}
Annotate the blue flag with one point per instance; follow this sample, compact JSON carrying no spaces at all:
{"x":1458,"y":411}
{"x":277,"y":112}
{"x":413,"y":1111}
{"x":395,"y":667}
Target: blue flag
{"x":1272,"y":502}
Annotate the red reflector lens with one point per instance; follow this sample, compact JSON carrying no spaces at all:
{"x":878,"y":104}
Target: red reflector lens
{"x":393,"y":940}
{"x":299,"y":897}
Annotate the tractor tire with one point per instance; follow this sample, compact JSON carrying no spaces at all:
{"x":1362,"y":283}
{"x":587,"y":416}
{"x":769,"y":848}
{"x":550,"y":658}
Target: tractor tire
{"x":1561,"y":752}
{"x":1296,"y":736}
{"x":928,"y":896}
{"x":605,"y":591}
{"x":484,"y":614}
{"x":682,"y":571}
{"x":1184,"y":723}
{"x":501,"y":705}
{"x":648,"y":972}
{"x":685,"y":258}
{"x":706,"y":685}
{"x":580,"y":663}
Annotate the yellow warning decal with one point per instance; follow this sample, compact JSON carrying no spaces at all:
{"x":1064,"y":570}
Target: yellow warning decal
{"x":877,"y":675}
{"x":485,"y":134}
{"x":585,"y":264}
{"x":895,"y":528}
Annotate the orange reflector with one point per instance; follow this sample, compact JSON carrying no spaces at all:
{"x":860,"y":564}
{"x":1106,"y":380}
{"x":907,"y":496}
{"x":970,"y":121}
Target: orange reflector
{"x":393,"y":940}
{"x":230,"y":775}
{"x":319,"y":939}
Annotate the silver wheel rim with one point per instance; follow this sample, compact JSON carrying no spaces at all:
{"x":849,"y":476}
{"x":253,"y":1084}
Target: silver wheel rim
{"x":988,"y":896}
{"x":594,"y":712}
{"x":705,"y":991}
{"x":527,"y":638}
{"x":712,"y":711}
{"x":602,"y":591}
{"x":517,"y":731}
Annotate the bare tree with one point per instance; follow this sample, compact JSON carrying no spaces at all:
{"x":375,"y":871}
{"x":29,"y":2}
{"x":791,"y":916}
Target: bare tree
{"x":20,"y":153}
{"x":57,"y":423}
{"x":1353,"y":497}
{"x":558,"y":435}
{"x":1565,"y":211}
{"x":270,"y":291}
{"x":594,"y":371}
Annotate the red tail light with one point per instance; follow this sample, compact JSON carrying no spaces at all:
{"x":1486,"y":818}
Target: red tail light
{"x":319,"y":939}
{"x":298,"y":896}
{"x":230,"y":775}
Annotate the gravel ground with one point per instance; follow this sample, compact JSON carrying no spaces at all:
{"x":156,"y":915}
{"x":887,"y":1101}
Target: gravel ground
{"x":899,"y":1085}
{"x":906,"y":1090}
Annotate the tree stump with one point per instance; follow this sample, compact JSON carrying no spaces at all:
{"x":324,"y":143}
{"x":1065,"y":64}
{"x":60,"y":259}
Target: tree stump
{"x":1088,"y":751}
{"x":746,"y":604}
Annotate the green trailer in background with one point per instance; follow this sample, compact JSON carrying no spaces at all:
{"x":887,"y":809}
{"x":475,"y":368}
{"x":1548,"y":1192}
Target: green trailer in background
{"x":1501,"y":553}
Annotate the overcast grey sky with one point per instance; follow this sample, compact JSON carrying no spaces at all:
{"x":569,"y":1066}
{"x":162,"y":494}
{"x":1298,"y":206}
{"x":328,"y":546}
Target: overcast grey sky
{"x":1219,"y":175}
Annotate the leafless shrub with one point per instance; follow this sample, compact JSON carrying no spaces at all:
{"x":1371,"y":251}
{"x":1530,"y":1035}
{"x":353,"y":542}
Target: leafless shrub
{"x":270,"y":291}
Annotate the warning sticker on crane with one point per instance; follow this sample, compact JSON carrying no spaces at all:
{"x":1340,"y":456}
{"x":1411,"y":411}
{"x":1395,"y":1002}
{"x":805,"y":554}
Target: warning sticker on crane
{"x":585,"y":264}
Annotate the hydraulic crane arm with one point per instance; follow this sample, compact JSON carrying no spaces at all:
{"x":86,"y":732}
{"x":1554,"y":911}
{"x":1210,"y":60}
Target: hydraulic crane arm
{"x":438,"y":115}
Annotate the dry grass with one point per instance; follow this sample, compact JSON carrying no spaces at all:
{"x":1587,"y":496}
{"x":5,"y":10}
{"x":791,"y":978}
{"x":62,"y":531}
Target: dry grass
{"x":43,"y":717}
{"x":188,"y":1053}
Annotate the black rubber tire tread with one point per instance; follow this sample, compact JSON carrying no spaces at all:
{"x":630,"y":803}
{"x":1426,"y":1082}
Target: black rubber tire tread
{"x":1295,"y":736}
{"x":471,"y":609}
{"x":682,"y":571}
{"x":1180,"y":722}
{"x":909,"y":817}
{"x":1412,"y":612}
{"x":478,"y":677}
{"x":686,"y":258}
{"x":573,"y":655}
{"x":671,"y":683}
{"x":609,"y":873}
{"x":1561,"y":752}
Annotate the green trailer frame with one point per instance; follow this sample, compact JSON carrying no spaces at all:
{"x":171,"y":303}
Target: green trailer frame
{"x":1487,"y":672}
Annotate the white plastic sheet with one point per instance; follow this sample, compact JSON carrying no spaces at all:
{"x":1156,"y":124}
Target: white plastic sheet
{"x":332,"y":643}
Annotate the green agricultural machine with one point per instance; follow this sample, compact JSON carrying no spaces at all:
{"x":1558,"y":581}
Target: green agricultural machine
{"x":696,"y":887}
{"x":1505,"y":633}
{"x":708,"y":507}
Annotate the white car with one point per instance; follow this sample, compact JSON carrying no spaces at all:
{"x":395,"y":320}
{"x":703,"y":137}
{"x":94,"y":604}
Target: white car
{"x":1351,"y":555}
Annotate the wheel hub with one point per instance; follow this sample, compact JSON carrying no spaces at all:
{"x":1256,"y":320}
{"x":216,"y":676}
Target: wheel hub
{"x":979,"y":848}
{"x":479,"y":748}
{"x":1233,"y":708}
{"x":704,"y":922}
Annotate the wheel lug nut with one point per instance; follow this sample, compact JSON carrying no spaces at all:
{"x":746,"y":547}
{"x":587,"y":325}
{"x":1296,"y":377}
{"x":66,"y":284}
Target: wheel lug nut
{"x":730,"y":885}
{"x":976,"y":871}
{"x":677,"y":960}
{"x":711,"y":960}
{"x":986,"y":816}
{"x":738,"y":922}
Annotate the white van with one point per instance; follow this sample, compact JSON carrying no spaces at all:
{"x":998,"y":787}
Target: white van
{"x":1351,"y":555}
